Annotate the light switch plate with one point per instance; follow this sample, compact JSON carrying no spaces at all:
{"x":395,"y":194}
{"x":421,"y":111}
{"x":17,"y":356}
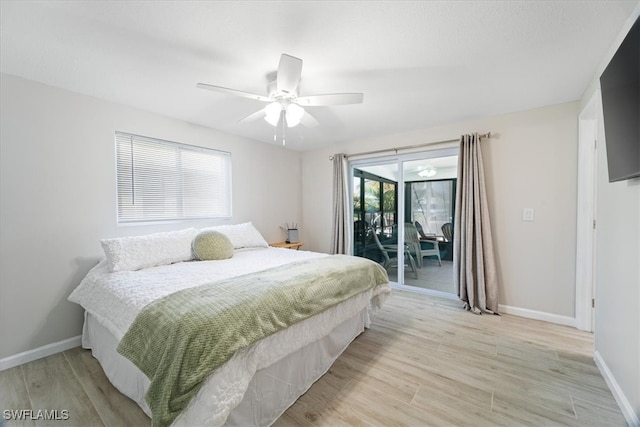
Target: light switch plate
{"x":527,"y":214}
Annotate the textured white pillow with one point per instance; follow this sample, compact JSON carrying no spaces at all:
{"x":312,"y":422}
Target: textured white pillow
{"x":242,"y":235}
{"x":136,"y":252}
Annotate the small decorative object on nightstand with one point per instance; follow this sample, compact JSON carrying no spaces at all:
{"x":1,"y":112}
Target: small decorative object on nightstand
{"x":292,"y":232}
{"x":292,"y":235}
{"x":295,"y":246}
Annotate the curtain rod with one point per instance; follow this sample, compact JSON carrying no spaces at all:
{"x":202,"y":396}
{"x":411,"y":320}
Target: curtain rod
{"x":409,"y":147}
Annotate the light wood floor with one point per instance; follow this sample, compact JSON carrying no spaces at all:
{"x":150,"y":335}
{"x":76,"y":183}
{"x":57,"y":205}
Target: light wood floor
{"x":423,"y":362}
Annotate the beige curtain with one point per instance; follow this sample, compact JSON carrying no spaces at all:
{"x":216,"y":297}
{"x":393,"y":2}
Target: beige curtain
{"x":473,"y":260}
{"x":341,"y":232}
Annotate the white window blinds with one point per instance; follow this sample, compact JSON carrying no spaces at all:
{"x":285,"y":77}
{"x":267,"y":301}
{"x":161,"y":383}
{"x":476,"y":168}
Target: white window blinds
{"x":161,"y":180}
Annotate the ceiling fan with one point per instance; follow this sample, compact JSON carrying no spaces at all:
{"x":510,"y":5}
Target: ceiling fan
{"x":284,"y":102}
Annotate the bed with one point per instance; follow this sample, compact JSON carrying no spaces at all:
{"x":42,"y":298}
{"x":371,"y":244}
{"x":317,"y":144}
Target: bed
{"x":259,"y":380}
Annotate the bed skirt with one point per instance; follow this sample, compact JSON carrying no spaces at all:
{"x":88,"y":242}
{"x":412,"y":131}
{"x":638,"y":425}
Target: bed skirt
{"x":271,"y":391}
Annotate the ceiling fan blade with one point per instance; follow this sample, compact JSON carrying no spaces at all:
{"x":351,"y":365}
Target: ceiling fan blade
{"x":289,"y":72}
{"x":331,"y":99}
{"x":253,"y":116}
{"x":308,"y":120}
{"x":234,"y":92}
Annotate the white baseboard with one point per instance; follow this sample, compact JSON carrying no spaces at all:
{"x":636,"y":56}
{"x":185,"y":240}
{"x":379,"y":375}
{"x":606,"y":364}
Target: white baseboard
{"x":538,"y":315}
{"x":40,"y":352}
{"x":618,"y":394}
{"x":506,"y":309}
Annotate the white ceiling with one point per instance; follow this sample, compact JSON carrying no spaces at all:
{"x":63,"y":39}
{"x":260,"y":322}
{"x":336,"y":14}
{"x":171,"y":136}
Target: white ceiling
{"x":419,"y":63}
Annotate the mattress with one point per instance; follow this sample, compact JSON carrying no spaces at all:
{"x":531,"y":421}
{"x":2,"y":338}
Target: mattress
{"x":117,"y":297}
{"x":260,"y":381}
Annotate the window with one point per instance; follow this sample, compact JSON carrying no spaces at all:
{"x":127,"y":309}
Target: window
{"x":431,"y":203}
{"x":374,"y":205}
{"x":160,"y":180}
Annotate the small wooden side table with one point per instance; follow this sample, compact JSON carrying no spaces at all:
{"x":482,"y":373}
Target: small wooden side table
{"x":295,"y":246}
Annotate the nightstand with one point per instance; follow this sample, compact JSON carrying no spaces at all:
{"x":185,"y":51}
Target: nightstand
{"x":295,"y":246}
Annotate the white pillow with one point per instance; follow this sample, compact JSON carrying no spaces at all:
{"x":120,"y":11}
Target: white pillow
{"x":242,"y":235}
{"x":136,"y":252}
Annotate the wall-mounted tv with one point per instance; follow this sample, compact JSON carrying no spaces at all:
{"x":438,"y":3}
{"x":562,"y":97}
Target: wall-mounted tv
{"x":620,"y":85}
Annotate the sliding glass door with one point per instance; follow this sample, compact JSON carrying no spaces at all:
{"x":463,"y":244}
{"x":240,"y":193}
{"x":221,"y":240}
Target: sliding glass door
{"x":401,"y":205}
{"x":375,"y":208}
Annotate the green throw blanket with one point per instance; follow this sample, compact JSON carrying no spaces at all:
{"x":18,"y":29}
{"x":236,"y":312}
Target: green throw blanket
{"x":178,"y":340}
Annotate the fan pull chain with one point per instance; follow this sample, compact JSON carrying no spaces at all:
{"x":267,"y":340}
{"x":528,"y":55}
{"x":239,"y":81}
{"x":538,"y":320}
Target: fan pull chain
{"x":284,"y":137}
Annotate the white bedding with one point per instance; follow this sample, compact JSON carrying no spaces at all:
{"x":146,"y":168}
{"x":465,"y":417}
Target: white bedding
{"x":114,"y":299}
{"x":118,"y":297}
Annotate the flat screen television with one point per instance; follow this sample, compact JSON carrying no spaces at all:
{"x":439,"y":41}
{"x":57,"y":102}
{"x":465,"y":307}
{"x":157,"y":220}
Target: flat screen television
{"x":620,"y":86}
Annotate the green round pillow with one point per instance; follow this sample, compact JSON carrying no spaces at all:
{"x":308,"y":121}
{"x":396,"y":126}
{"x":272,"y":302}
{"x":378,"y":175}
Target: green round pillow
{"x":212,"y":245}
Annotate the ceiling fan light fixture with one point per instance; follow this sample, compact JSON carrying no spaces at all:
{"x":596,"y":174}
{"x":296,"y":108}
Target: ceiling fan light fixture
{"x":427,"y":173}
{"x":294,"y":115}
{"x":283,"y":98}
{"x":272,"y":112}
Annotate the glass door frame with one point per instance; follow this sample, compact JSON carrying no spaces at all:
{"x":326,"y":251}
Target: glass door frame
{"x":399,"y":160}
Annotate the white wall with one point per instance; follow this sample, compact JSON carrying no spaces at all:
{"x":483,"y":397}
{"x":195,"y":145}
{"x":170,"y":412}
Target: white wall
{"x":617,"y":269}
{"x":531,"y":163}
{"x":617,"y":289}
{"x":57,"y":198}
